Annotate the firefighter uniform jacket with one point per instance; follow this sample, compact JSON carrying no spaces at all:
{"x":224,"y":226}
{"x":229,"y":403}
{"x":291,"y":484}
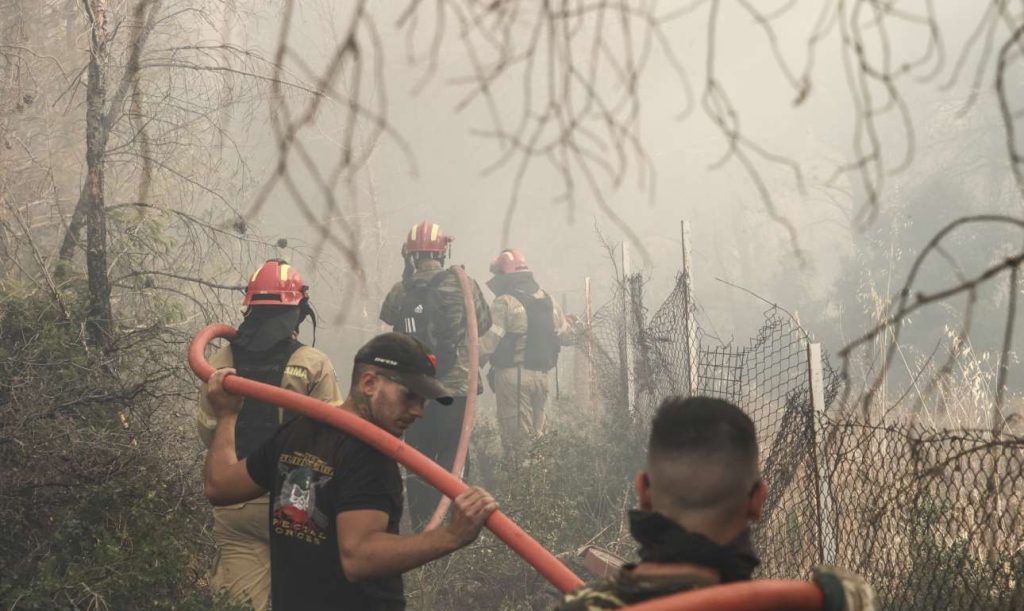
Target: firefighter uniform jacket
{"x":509,"y":317}
{"x":449,"y":321}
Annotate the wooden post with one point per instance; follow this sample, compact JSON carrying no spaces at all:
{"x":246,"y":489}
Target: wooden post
{"x":626,"y":337}
{"x":827,"y":536}
{"x":559,"y":364}
{"x":689,"y":327}
{"x":590,"y":379}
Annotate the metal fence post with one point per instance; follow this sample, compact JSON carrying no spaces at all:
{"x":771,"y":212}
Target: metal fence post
{"x":827,"y":541}
{"x":588,"y":312}
{"x":689,"y":330}
{"x":626,"y":348}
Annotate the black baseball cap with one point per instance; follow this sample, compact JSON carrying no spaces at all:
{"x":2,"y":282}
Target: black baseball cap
{"x":405,"y":360}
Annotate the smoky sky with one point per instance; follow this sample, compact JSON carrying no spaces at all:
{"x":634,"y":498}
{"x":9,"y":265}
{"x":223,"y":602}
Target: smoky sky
{"x":733,"y":237}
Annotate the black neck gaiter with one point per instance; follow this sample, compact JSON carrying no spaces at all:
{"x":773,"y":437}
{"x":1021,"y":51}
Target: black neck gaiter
{"x":514,"y":282}
{"x":662,"y":540}
{"x":265,"y":326}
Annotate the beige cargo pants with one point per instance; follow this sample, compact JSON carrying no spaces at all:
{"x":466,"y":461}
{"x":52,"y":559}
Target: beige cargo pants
{"x":242,"y":567}
{"x":521,"y":395}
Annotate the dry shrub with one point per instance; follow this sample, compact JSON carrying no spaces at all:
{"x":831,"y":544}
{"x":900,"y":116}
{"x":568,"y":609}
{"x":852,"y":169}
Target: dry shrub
{"x":573,"y":488}
{"x":99,"y":496}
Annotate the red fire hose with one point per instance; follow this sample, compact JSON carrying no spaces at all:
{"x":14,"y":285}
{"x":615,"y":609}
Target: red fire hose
{"x":762,"y":595}
{"x":504,"y":528}
{"x":759,"y":595}
{"x":473,"y":344}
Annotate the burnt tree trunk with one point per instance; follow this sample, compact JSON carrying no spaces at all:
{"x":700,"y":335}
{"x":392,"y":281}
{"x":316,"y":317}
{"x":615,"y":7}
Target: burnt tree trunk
{"x":74,"y":229}
{"x":101,"y":116}
{"x":99,"y":313}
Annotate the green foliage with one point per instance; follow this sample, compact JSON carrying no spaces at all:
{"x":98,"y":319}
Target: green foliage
{"x":115,"y":545}
{"x":98,"y":513}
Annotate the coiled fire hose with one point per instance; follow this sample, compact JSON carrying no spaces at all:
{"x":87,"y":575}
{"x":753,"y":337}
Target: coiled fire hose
{"x":500,"y":524}
{"x":473,"y":346}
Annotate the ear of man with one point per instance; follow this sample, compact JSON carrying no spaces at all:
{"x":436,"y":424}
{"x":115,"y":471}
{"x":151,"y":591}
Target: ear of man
{"x":643,"y":491}
{"x":757,"y":499}
{"x":364,"y":380}
{"x":369,"y":382}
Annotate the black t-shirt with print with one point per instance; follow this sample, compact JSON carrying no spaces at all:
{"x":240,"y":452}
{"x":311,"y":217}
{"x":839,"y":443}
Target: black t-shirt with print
{"x":313,"y":473}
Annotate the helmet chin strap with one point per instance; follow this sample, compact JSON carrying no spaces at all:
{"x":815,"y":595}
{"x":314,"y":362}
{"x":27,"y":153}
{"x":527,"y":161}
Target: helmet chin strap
{"x":306,"y":309}
{"x":410,"y":264}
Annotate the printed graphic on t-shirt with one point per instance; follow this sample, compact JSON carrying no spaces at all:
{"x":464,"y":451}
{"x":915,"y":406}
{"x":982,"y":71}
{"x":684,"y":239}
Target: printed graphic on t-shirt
{"x":295,"y":512}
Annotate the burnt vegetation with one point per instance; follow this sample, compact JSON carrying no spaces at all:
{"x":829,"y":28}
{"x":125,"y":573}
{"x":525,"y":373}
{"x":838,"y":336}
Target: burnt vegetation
{"x":129,"y":212}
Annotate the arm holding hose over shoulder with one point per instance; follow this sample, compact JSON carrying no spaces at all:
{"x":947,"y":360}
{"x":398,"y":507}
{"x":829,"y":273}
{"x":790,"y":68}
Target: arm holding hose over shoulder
{"x":226,"y":478}
{"x":505,"y":529}
{"x":206,"y":421}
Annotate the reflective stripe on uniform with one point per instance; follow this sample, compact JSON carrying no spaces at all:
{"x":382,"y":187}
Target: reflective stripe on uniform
{"x":296,"y":371}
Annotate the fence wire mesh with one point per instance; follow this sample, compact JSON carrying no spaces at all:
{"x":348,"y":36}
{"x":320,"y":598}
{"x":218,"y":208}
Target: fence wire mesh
{"x":932,"y":518}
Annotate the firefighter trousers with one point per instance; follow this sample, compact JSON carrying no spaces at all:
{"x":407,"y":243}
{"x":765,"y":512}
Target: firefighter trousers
{"x":521,"y":396}
{"x":242,"y":566}
{"x":436,"y":435}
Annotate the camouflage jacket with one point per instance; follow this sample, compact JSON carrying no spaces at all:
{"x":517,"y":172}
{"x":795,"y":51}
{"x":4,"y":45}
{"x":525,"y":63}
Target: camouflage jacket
{"x":308,"y":372}
{"x":626,"y":589}
{"x":843,"y":590}
{"x":452,"y":319}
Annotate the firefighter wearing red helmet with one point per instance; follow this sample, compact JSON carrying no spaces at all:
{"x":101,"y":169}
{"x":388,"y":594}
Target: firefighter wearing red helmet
{"x":428,"y":304}
{"x":509,"y":261}
{"x":266,"y":349}
{"x":275,"y":283}
{"x":527,"y":332}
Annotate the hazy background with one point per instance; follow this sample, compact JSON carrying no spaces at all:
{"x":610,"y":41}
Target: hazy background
{"x":100,"y":403}
{"x":845,"y":269}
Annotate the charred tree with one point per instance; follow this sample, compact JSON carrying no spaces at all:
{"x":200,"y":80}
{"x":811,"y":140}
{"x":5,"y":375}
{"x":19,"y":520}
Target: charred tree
{"x":100,"y":315}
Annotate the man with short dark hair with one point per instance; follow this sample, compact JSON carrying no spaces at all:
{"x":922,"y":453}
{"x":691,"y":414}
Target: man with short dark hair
{"x":702,"y":471}
{"x":699,"y":492}
{"x":335,"y":501}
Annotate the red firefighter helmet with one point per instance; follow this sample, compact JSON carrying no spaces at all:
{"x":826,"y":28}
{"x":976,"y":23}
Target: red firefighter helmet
{"x":427,"y":237}
{"x":275,"y":283}
{"x":510,"y":260}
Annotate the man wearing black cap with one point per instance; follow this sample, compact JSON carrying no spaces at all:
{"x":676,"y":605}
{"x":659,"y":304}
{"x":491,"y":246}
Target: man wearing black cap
{"x":266,"y":350}
{"x":335,"y":501}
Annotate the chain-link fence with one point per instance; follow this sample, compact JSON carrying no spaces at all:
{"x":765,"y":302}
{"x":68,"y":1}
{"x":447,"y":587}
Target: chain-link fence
{"x":932,"y":518}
